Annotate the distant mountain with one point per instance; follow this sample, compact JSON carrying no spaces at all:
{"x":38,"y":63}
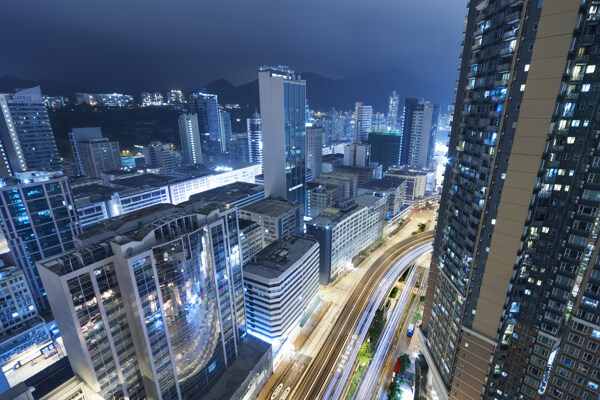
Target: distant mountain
{"x":323,"y":93}
{"x":373,"y":88}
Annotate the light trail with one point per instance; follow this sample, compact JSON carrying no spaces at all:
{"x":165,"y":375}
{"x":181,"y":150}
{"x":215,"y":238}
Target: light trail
{"x":345,"y":367}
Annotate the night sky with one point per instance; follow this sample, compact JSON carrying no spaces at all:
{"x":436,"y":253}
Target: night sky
{"x":155,"y":45}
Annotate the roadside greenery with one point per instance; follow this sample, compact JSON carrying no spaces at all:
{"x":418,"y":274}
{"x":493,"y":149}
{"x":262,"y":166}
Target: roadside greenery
{"x":364,"y":357}
{"x":394,"y":292}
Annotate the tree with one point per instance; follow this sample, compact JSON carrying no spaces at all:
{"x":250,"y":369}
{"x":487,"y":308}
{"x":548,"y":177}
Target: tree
{"x":422,"y":227}
{"x":365,"y":353}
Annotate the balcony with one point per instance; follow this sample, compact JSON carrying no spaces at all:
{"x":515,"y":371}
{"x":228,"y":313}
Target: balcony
{"x":509,"y":35}
{"x":506,"y":51}
{"x":587,"y":39}
{"x":503,"y":67}
{"x":512,"y":18}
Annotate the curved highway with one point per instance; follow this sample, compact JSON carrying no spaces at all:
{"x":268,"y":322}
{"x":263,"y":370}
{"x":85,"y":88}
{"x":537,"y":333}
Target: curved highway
{"x":339,"y":349}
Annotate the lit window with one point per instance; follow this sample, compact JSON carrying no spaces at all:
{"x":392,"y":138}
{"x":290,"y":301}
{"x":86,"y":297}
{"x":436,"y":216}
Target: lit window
{"x":493,"y":221}
{"x":575,"y":123}
{"x":557,"y":187}
{"x":590,"y":69}
{"x":545,"y":229}
{"x":586,"y":122}
{"x":522,"y":87}
{"x":526,"y":67}
{"x":585,"y":88}
{"x":571,"y":140}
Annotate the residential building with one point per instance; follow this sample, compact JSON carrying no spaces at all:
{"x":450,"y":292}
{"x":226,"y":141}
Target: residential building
{"x":251,"y":239}
{"x":278,"y":218}
{"x":78,"y":135}
{"x":386,"y":148}
{"x":393,"y":112}
{"x":225,"y":125}
{"x":175,"y":97}
{"x":362,"y":128}
{"x":206,"y":107}
{"x":99,"y":155}
{"x":282,"y":107}
{"x":163,"y":156}
{"x":418,"y":133}
{"x":55,"y":102}
{"x":21,"y":327}
{"x":345,"y":183}
{"x":39,"y":220}
{"x":191,"y":144}
{"x":344,"y":231}
{"x":238,"y":148}
{"x":141,"y":290}
{"x":104,"y":99}
{"x":416,"y":181}
{"x":512,"y":301}
{"x":280,"y":284}
{"x":319,"y":198}
{"x":357,"y":154}
{"x":392,"y":189}
{"x":364,"y":174}
{"x":152,"y":99}
{"x":27,"y":140}
{"x":255,"y":143}
{"x":314,"y":149}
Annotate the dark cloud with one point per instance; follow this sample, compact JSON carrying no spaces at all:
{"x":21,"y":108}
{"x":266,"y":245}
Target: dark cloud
{"x":158,"y":44}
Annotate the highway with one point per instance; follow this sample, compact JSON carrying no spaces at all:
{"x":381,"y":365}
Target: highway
{"x":375,"y":370}
{"x":337,"y":355}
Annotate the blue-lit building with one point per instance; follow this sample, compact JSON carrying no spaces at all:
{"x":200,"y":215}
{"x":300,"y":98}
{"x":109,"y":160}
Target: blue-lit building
{"x":176,"y":294}
{"x":38,"y":221}
{"x":255,"y":142}
{"x":27,"y":140}
{"x":283,"y":112}
{"x":225,"y":125}
{"x":206,"y":106}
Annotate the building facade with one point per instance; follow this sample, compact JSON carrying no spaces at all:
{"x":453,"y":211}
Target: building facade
{"x":151,"y":305}
{"x":278,"y":218}
{"x":191,"y":144}
{"x":511,"y":309}
{"x":363,"y":115}
{"x":163,"y":156}
{"x":255,"y":143}
{"x":314,"y":149}
{"x":344,"y":231}
{"x":39,"y":220}
{"x":206,"y":107}
{"x":28,"y":142}
{"x":280,"y":283}
{"x":99,"y":155}
{"x":386,"y":148}
{"x":283,"y":117}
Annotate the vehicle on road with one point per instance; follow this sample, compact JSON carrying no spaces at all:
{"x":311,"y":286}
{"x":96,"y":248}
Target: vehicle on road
{"x":411,"y":330}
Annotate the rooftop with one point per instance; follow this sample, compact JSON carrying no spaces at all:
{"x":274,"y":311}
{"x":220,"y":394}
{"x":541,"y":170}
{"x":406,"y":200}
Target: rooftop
{"x":275,"y":259}
{"x":272,"y":207}
{"x":334,"y":215}
{"x":146,"y":180}
{"x":229,"y":193}
{"x":246,"y":223}
{"x":406,"y":172}
{"x":386,"y":183}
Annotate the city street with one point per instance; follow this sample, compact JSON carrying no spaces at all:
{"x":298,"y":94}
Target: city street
{"x":337,"y":295}
{"x":32,"y":367}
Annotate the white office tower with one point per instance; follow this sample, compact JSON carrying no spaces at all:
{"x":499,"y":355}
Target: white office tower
{"x":281,"y":282}
{"x":314,"y":149}
{"x":189,"y":132}
{"x":283,"y":112}
{"x":364,"y":116}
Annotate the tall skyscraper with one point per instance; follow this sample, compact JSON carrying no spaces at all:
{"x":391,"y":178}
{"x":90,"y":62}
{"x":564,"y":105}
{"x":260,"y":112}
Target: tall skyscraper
{"x":225,"y":126}
{"x":393,"y":111}
{"x":255,"y":143}
{"x":282,"y":107}
{"x":38,"y":221}
{"x":314,"y":149}
{"x":206,"y":106}
{"x":189,"y":133}
{"x":27,"y":140}
{"x":512,"y":302}
{"x":151,"y":305}
{"x":385,"y":148}
{"x":364,"y":115}
{"x":419,"y":128}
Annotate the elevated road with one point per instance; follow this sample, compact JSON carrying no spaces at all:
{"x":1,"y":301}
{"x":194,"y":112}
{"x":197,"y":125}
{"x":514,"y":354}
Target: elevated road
{"x":341,"y":345}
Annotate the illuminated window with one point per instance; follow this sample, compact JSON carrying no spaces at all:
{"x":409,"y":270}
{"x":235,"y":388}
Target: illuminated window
{"x":571,"y":140}
{"x":522,"y":87}
{"x":590,"y":69}
{"x":585,"y":88}
{"x":526,"y":67}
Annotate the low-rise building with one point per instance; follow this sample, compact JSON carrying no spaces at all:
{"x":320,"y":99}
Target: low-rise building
{"x":365,"y":174}
{"x":392,"y":189}
{"x":280,"y":284}
{"x":238,"y":194}
{"x":277,"y":217}
{"x":344,"y":231}
{"x":320,"y":198}
{"x":416,"y":182}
